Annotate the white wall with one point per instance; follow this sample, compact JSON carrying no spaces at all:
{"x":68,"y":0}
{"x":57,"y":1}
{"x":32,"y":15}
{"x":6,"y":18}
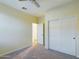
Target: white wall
{"x":71,"y":9}
{"x":40,"y":33}
{"x":15,"y":29}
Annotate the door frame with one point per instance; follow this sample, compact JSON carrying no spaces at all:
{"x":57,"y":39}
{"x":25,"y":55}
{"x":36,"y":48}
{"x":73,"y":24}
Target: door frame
{"x":47,"y":32}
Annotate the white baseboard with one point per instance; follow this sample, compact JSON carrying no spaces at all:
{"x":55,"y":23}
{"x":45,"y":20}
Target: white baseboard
{"x":2,"y":55}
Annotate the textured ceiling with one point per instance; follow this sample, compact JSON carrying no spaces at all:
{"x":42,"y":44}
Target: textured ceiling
{"x":45,"y":5}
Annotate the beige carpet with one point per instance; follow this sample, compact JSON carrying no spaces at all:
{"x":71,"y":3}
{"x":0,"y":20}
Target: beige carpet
{"x":42,"y":53}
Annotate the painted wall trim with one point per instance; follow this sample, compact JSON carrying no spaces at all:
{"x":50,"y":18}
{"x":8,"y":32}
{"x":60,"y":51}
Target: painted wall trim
{"x":2,"y":55}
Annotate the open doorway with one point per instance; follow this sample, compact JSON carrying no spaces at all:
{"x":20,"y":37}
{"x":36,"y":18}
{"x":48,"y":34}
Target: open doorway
{"x":34,"y":34}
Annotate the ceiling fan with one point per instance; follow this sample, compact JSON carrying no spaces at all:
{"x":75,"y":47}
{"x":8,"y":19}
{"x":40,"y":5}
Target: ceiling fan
{"x":33,"y":1}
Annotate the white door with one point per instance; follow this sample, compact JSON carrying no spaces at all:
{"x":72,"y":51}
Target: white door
{"x":40,"y":33}
{"x":62,"y":35}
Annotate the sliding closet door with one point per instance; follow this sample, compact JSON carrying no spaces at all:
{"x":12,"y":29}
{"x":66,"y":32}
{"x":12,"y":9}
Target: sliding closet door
{"x":62,"y":35}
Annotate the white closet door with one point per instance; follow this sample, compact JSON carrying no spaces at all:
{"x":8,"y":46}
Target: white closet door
{"x":62,"y":35}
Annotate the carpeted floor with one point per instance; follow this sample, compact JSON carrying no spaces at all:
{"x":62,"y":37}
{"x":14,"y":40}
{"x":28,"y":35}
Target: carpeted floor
{"x":40,"y":53}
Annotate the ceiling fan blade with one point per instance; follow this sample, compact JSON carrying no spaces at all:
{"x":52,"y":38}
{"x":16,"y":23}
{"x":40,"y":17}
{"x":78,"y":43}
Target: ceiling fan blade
{"x":36,"y":3}
{"x":33,"y":1}
{"x":23,"y":0}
